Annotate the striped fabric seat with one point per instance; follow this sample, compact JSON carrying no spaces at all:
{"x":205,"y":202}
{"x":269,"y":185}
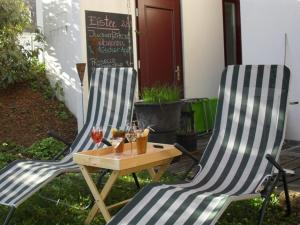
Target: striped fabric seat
{"x":110,"y":105}
{"x":249,"y":124}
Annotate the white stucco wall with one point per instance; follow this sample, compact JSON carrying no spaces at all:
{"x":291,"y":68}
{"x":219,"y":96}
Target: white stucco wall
{"x":264,"y":24}
{"x":61,"y":19}
{"x":203,"y":47}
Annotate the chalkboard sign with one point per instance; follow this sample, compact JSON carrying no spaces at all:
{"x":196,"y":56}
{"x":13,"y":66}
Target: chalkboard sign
{"x":109,"y":40}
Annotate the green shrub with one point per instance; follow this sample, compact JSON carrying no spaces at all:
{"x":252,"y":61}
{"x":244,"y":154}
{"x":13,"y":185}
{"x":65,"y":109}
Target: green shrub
{"x":10,"y":147}
{"x":44,"y":149}
{"x":17,"y":64}
{"x":9,"y":152}
{"x":62,"y":112}
{"x":161,"y":94}
{"x":42,"y":84}
{"x":39,"y":82}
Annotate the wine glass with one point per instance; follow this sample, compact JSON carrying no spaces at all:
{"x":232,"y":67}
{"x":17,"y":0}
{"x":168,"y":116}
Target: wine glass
{"x":97,"y":135}
{"x":131,"y":134}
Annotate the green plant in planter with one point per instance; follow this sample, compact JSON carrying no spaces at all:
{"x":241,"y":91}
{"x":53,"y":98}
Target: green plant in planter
{"x":160,"y":109}
{"x":161,"y":94}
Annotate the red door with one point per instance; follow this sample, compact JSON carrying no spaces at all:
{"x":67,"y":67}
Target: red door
{"x":159,"y":42}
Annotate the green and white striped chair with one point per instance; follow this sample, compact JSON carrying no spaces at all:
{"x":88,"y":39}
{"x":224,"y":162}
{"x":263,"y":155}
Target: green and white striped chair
{"x":110,"y":105}
{"x":249,"y":126}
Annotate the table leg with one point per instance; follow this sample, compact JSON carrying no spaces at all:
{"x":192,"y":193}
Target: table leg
{"x":105,"y":191}
{"x":156,"y":175}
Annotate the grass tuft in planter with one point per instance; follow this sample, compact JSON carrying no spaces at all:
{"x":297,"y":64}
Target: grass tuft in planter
{"x":161,"y":94}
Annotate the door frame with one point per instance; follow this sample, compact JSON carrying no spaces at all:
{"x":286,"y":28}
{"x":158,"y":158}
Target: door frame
{"x":238,"y":30}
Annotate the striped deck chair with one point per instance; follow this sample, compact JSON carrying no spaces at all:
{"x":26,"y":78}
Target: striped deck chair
{"x":110,"y":105}
{"x":249,"y":126}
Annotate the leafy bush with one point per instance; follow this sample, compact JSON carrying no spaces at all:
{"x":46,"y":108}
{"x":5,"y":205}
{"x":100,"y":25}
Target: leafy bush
{"x":10,"y":147}
{"x":160,"y":94}
{"x":17,"y":64}
{"x":62,"y":112}
{"x":44,"y":149}
{"x":42,"y":84}
{"x":9,"y":152}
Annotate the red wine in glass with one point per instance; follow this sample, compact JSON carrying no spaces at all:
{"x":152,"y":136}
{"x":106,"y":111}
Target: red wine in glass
{"x":97,"y":135}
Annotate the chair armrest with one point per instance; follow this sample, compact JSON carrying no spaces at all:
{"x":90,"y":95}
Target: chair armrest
{"x":289,"y":172}
{"x":274,"y":163}
{"x":57,"y":137}
{"x":186,"y":152}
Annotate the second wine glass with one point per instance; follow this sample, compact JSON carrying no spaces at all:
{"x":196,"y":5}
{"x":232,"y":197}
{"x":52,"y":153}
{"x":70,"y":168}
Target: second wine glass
{"x":130,"y":134}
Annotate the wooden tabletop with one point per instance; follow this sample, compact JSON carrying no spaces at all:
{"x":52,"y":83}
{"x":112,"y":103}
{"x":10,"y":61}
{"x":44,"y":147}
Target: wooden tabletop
{"x":108,"y":159}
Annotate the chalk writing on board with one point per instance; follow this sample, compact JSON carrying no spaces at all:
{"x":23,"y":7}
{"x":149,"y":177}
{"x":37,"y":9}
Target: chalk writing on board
{"x":109,"y":40}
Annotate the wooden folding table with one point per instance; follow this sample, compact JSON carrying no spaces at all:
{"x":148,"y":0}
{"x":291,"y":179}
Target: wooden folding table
{"x":155,"y":161}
